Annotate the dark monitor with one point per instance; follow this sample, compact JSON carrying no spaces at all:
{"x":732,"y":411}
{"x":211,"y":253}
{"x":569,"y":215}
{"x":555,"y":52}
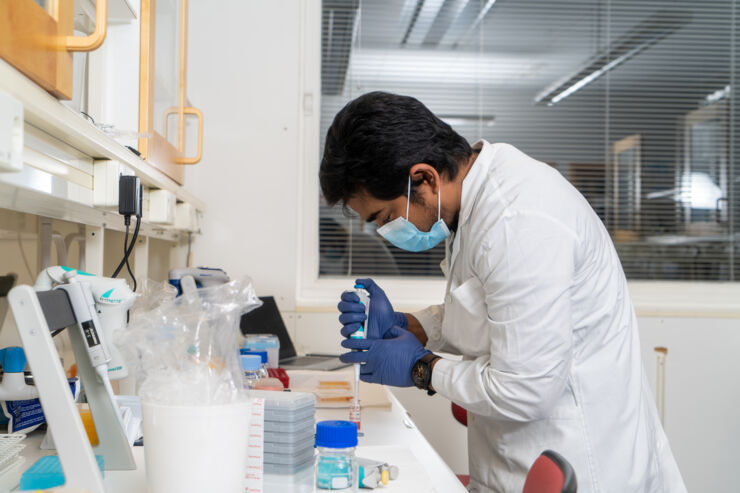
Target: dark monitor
{"x":267,"y":320}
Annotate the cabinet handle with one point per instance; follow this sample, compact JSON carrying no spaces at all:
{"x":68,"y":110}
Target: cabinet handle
{"x":92,"y":41}
{"x":187,"y":110}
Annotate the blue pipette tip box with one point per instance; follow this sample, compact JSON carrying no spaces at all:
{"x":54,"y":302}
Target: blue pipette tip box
{"x":47,"y":473}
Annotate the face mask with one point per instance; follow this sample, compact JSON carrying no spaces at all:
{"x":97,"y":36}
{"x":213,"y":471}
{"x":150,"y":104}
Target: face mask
{"x":403,"y":234}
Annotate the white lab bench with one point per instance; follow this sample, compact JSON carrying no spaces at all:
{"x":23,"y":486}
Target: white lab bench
{"x":389,"y":435}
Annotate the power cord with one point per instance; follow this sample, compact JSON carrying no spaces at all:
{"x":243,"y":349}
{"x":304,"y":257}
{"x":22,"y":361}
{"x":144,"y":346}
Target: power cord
{"x":128,"y":248}
{"x":129,"y":204}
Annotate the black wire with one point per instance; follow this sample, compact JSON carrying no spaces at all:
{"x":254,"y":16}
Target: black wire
{"x":128,"y":268}
{"x":88,"y":117}
{"x":128,"y":248}
{"x":125,"y":249}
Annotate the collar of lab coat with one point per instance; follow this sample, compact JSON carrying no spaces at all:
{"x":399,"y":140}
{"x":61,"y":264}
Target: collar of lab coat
{"x":473,"y":181}
{"x":471,"y":188}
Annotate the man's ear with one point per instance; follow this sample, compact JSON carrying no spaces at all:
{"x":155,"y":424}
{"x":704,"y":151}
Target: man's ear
{"x":425,"y":173}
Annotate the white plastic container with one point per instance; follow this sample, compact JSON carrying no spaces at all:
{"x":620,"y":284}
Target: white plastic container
{"x":264,"y":342}
{"x":191,"y":449}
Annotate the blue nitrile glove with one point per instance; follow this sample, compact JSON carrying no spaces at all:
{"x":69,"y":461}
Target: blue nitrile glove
{"x":386,"y":361}
{"x":382,"y":316}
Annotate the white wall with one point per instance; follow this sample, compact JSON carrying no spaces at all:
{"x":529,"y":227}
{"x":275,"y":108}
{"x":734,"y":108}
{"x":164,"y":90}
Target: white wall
{"x":243,"y":71}
{"x":246,"y":72}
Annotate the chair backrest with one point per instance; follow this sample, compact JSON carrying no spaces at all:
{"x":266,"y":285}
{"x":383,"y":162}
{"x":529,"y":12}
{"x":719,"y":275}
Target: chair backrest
{"x":550,"y":473}
{"x":460,"y":414}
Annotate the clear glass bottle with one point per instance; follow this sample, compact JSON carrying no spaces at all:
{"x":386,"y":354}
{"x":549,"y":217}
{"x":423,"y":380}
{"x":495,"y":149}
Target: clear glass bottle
{"x":263,"y":355}
{"x":336,"y":465}
{"x":251,"y":365}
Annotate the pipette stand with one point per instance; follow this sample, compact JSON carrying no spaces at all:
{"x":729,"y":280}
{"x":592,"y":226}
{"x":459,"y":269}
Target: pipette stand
{"x":37,"y":314}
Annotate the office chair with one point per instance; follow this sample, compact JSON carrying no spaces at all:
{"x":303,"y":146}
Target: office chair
{"x":461,"y":415}
{"x":550,"y":473}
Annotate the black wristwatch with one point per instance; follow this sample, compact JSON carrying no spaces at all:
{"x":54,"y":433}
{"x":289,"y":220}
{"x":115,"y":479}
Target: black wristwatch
{"x":421,"y":373}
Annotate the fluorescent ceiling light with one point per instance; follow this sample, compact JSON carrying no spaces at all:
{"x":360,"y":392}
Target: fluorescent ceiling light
{"x":644,"y":35}
{"x":481,"y":15}
{"x":446,"y":17}
{"x":425,"y":12}
{"x":394,"y":67}
{"x":462,"y":120}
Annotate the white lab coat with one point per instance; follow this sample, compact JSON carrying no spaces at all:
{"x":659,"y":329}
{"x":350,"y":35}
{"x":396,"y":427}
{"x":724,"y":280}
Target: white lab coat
{"x":537,"y":304}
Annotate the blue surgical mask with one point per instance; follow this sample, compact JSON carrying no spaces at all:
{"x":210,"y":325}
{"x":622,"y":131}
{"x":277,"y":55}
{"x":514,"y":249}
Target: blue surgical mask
{"x":403,"y":234}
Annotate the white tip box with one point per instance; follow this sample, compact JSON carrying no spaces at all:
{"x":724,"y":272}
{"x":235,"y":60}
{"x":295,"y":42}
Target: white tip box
{"x":162,"y":207}
{"x":186,"y":218}
{"x":106,"y":174}
{"x":11,"y":133}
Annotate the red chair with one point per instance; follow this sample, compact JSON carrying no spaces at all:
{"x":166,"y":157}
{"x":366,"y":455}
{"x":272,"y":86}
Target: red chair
{"x":550,"y":473}
{"x":461,"y":415}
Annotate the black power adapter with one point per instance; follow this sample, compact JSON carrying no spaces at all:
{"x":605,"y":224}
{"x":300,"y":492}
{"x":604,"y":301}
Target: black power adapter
{"x":129,"y":196}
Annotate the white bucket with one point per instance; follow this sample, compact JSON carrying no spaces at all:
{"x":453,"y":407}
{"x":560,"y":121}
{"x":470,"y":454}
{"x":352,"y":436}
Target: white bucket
{"x":196,"y":449}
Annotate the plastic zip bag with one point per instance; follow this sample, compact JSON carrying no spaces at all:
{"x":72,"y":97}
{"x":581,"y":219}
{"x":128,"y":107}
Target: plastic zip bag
{"x":185,"y":351}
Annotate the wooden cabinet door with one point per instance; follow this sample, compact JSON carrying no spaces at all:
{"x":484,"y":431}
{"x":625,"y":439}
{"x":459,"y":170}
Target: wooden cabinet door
{"x":32,"y":39}
{"x":162,"y":90}
{"x":37,"y":38}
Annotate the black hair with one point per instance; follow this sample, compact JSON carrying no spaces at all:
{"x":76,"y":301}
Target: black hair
{"x":374,"y":141}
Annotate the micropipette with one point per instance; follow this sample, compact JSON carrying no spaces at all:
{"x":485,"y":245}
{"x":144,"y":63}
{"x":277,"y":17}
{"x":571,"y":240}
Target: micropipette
{"x":354,"y":409}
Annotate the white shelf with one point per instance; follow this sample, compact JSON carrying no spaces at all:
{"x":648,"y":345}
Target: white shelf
{"x":46,"y":113}
{"x":37,"y":201}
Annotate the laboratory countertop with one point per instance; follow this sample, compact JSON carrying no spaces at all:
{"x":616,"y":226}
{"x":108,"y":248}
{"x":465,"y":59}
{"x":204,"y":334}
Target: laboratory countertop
{"x":388,"y":435}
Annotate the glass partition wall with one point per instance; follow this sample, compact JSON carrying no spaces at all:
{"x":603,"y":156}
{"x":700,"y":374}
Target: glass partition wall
{"x":631,"y":100}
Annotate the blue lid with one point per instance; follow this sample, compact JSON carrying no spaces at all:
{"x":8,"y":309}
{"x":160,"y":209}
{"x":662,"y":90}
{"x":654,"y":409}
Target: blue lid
{"x":261,"y":354}
{"x":13,"y":359}
{"x":336,"y":434}
{"x":251,"y":362}
{"x":359,"y":286}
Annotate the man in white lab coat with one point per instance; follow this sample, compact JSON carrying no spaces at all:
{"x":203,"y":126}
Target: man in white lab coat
{"x":536,"y":302}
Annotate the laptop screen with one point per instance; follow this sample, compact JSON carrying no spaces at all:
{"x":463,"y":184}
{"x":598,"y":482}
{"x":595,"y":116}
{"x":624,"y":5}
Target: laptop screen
{"x":267,"y":320}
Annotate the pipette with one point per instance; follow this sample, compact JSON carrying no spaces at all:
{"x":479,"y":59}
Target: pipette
{"x":354,"y":409}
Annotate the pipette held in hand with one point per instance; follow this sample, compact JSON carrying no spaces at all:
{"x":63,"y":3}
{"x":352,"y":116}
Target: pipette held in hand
{"x":361,"y":333}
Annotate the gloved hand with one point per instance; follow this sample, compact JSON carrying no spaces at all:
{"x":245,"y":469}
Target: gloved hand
{"x":382,"y":316}
{"x":386,"y":361}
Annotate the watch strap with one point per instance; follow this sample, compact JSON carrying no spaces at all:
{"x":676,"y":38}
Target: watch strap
{"x":426,"y":362}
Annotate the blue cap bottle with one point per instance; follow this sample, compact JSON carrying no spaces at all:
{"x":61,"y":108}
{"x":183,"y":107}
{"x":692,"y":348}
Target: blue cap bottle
{"x":336,"y":468}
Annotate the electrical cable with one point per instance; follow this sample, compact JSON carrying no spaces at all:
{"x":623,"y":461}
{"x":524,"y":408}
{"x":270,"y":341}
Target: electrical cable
{"x":133,"y":278}
{"x":128,"y":265}
{"x":125,"y":248}
{"x":128,"y":248}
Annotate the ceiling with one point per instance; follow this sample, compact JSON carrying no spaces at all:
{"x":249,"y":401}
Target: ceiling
{"x":532,"y":42}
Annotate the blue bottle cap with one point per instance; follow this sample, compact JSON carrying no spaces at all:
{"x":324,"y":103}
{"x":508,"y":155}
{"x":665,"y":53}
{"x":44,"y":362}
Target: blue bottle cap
{"x":261,"y":354}
{"x":336,"y":434}
{"x":13,"y":359}
{"x":251,"y":362}
{"x":359,"y":286}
